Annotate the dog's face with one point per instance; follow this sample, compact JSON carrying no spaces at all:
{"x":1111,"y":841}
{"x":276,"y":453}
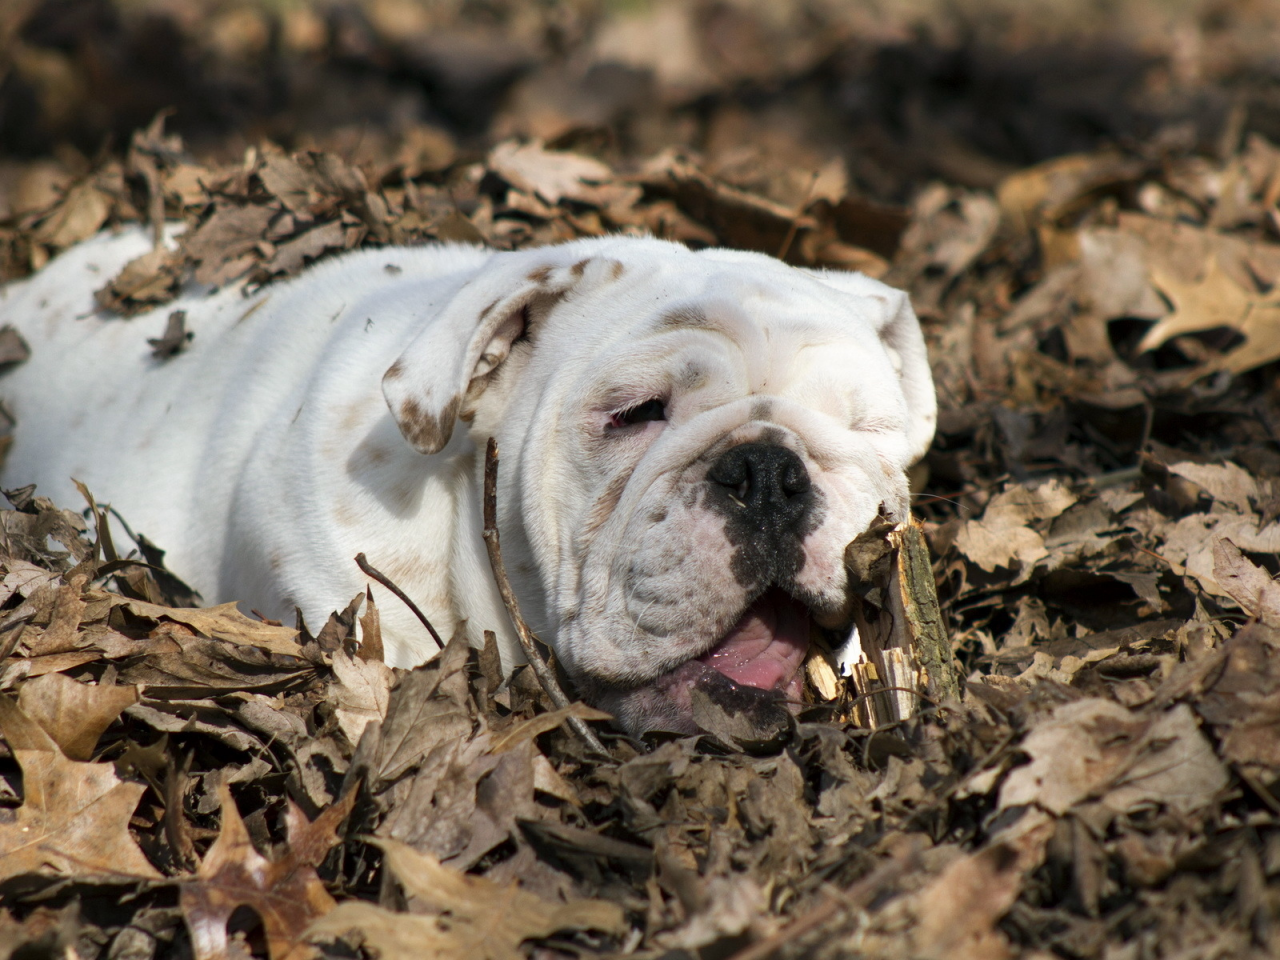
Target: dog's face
{"x":689,"y":441}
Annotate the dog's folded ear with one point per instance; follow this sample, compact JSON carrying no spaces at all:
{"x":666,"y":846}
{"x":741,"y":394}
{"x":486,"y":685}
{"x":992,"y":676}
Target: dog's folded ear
{"x":453,"y":359}
{"x":900,"y":333}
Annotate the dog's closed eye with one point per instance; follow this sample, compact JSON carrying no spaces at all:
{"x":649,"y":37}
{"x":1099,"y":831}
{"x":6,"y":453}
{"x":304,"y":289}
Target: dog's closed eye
{"x":650,"y":410}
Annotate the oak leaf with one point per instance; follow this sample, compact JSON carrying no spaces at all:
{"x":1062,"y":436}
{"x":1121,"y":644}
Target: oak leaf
{"x":286,"y":893}
{"x":1215,"y":301}
{"x":74,"y":818}
{"x":474,"y":917}
{"x":75,"y":714}
{"x":224,"y":622}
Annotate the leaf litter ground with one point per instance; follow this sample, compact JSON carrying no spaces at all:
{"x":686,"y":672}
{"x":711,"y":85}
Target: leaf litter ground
{"x":1101,"y":501}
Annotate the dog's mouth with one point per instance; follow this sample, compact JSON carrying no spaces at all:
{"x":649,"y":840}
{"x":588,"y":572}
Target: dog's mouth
{"x":755,"y":672}
{"x":766,"y":648}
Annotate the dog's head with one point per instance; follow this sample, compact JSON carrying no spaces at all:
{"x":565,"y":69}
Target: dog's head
{"x":689,"y":441}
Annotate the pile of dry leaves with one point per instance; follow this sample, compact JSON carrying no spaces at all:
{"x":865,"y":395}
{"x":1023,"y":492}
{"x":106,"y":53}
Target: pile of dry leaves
{"x":1101,"y":503}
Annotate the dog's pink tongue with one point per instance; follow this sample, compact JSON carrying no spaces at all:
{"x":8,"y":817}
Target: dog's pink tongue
{"x":767,"y":646}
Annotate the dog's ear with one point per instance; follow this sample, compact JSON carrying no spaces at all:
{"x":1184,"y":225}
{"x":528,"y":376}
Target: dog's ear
{"x":900,"y":333}
{"x":451,"y":361}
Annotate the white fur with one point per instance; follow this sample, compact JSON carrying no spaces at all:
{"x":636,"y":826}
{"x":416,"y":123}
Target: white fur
{"x":270,"y":452}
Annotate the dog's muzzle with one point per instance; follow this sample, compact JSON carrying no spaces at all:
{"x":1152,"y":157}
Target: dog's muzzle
{"x":766,"y":497}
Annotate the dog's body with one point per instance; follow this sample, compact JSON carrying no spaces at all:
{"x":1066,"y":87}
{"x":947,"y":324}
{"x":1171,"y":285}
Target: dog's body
{"x":688,"y":440}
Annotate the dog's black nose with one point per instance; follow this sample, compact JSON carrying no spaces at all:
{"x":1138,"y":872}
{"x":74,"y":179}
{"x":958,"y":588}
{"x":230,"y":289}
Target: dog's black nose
{"x":766,"y":481}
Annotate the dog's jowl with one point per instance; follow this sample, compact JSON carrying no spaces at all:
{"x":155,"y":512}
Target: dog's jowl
{"x":689,"y":441}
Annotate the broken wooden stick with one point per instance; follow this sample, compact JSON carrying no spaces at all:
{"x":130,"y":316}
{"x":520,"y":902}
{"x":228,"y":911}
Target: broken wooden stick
{"x":898,"y":654}
{"x":541,"y":669}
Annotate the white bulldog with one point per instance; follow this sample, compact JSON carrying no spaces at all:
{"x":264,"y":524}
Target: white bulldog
{"x":688,"y":440}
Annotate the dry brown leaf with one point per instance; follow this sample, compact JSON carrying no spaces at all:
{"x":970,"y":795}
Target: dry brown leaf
{"x":1225,"y":482}
{"x":74,"y":818}
{"x":223,"y":622}
{"x":554,"y":175}
{"x":144,"y":281}
{"x":474,"y":917}
{"x":294,"y":185}
{"x":1002,"y":536}
{"x":958,"y":913}
{"x":291,"y":256}
{"x":219,"y":245}
{"x":285,"y":893}
{"x":1242,"y":702}
{"x":360,"y":694}
{"x":1218,"y":301}
{"x":1246,"y":583}
{"x":174,"y":339}
{"x":1188,"y":543}
{"x":23,"y":578}
{"x":62,"y":633}
{"x":13,"y":349}
{"x":1094,"y":749}
{"x":74,"y":714}
{"x":78,"y":217}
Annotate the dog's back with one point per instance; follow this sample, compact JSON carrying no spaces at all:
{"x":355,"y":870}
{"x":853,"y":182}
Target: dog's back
{"x":174,"y":443}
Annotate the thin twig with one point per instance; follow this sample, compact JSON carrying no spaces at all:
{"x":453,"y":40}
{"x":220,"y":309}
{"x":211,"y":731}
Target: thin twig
{"x":383,"y":579}
{"x":794,"y":228}
{"x":527,"y":640}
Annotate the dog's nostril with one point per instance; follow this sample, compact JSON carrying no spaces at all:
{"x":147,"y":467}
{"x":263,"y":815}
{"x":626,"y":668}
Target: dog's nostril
{"x":795,"y":479}
{"x":761,"y":476}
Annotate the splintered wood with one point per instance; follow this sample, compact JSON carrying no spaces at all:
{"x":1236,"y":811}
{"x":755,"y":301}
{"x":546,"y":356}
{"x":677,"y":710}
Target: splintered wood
{"x":897,"y":655}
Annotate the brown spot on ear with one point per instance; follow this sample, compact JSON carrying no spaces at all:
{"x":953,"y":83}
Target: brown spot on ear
{"x":540,"y":275}
{"x":427,"y":433}
{"x":684,"y":317}
{"x":579,"y":268}
{"x":394,"y":372}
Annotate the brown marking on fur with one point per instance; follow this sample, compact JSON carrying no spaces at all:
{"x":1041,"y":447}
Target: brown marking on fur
{"x":395,"y":371}
{"x":416,"y":569}
{"x":683,"y":317}
{"x":427,"y":433}
{"x":772,"y":435}
{"x":762,"y":410}
{"x":370,"y":454}
{"x":604,"y":506}
{"x":344,"y":515}
{"x":690,"y":378}
{"x":276,"y":562}
{"x":352,"y":417}
{"x":540,"y":275}
{"x":579,"y":268}
{"x":616,"y":269}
